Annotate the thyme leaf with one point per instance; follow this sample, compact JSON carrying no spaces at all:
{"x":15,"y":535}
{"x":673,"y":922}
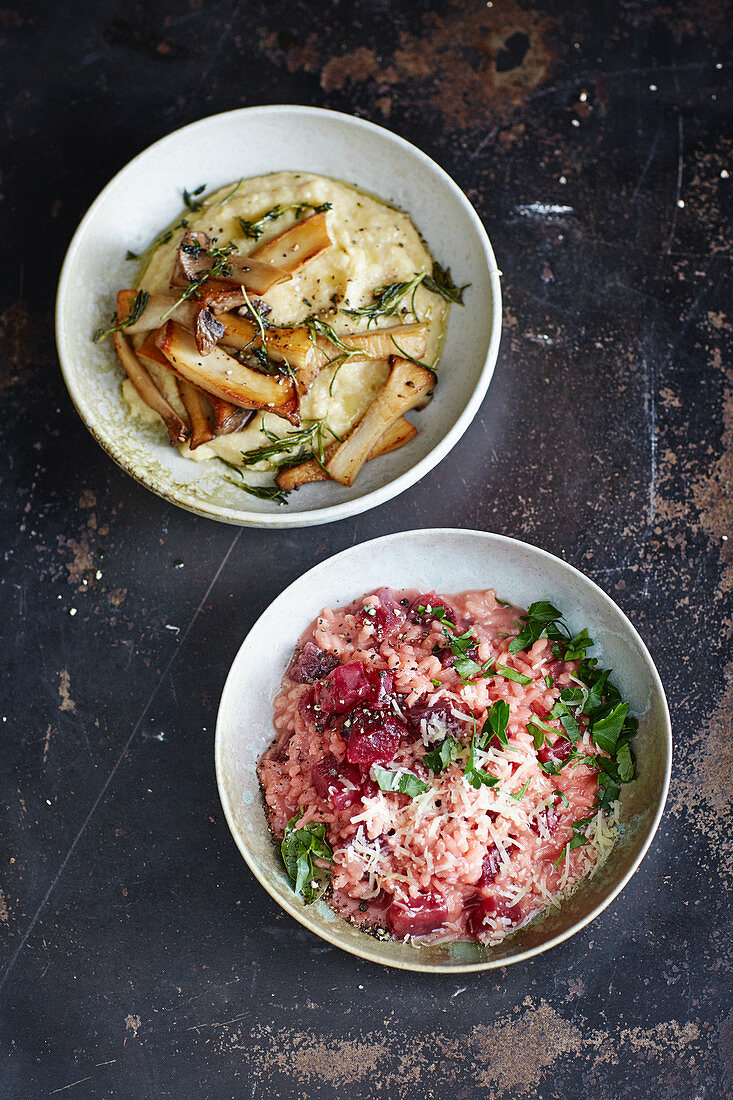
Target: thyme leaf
{"x":254,"y":229}
{"x":190,"y":200}
{"x":138,"y":305}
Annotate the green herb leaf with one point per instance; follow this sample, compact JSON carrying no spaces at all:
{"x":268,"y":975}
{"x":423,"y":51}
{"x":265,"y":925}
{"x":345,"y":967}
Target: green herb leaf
{"x":538,"y":735}
{"x":548,"y":681}
{"x":605,"y":731}
{"x":539,"y":617}
{"x":440,"y":282}
{"x":477,"y":777}
{"x":497,"y":719}
{"x":439,"y":758}
{"x":138,"y":305}
{"x":438,"y":612}
{"x":263,"y":492}
{"x":189,"y":199}
{"x":519,"y":794}
{"x":254,"y":229}
{"x":386,"y":300}
{"x":512,"y":674}
{"x":562,"y":797}
{"x":625,"y":763}
{"x":300,"y":848}
{"x":398,"y":782}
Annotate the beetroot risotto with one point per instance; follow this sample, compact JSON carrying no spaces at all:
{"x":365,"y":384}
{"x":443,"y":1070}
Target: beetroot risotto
{"x":444,"y":767}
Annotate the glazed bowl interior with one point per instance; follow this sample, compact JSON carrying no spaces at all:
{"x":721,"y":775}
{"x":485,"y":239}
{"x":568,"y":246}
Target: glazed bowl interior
{"x":448,"y":561}
{"x":144,"y":198}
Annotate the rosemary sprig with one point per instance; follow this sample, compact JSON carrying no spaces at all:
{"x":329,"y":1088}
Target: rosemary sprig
{"x":440,"y":282}
{"x":386,"y":300}
{"x":316,"y":327}
{"x":141,"y":300}
{"x":291,"y":445}
{"x":254,"y":229}
{"x":263,"y":492}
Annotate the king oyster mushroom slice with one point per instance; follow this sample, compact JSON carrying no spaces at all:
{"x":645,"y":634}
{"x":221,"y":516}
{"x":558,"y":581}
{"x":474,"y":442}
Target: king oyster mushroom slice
{"x":149,"y":392}
{"x":407,"y":386}
{"x":222,"y":375}
{"x":297,"y":245}
{"x":193,"y":402}
{"x":396,"y":436}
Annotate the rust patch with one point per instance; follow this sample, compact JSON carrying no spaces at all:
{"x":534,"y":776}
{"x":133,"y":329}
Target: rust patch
{"x":712,"y":495}
{"x":81,"y":562}
{"x":66,"y":704}
{"x":473,"y":62}
{"x":514,"y":1052}
{"x":704,"y":785}
{"x":306,"y":1058}
{"x":132,"y":1023}
{"x":506,"y":1059}
{"x":4,"y":911}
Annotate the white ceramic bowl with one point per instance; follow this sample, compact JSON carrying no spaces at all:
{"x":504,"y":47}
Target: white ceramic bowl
{"x":146,"y":195}
{"x":448,"y":561}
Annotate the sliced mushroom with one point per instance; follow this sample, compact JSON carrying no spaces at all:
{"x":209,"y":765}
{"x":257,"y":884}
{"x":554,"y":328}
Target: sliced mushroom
{"x":407,"y":386}
{"x":193,"y":260}
{"x":292,"y":345}
{"x":229,"y":418}
{"x":401,"y":432}
{"x":379,"y":343}
{"x":149,"y":392}
{"x":223,"y":376}
{"x":193,"y":402}
{"x":158,"y":308}
{"x":207,"y":331}
{"x":298,"y":245}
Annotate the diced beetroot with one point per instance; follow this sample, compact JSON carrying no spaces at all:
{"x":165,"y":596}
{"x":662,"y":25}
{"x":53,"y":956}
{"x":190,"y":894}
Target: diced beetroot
{"x":492,"y":907}
{"x":422,"y":915}
{"x":430,"y":599}
{"x":382,"y":682}
{"x":373,"y":737}
{"x":439,"y":716}
{"x":489,"y":867}
{"x":343,"y":688}
{"x":540,"y":710}
{"x":555,"y":754}
{"x":311,"y":664}
{"x":340,"y":783}
{"x":309,"y":709}
{"x":388,"y":617}
{"x":368,"y":787}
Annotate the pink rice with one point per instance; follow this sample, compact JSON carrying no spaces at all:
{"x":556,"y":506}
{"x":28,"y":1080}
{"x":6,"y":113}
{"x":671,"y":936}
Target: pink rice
{"x":389,"y":847}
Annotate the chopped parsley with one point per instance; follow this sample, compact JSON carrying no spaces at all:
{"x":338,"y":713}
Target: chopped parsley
{"x":300,"y":848}
{"x":398,"y":782}
{"x":497,"y":719}
{"x":512,"y":674}
{"x":518,"y":795}
{"x":477,"y":777}
{"x":438,"y":759}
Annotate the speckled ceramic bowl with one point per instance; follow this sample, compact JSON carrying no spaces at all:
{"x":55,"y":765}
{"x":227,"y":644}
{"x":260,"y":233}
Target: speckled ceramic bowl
{"x":447,"y":561}
{"x":146,"y":195}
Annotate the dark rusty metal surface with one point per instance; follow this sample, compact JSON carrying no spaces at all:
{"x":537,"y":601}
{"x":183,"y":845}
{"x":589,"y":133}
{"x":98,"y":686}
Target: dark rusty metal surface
{"x":139,"y":957}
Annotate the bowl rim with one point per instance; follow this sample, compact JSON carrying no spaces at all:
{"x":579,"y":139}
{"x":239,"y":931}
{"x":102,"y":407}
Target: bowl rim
{"x":370,"y":953}
{"x":323,"y":514}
